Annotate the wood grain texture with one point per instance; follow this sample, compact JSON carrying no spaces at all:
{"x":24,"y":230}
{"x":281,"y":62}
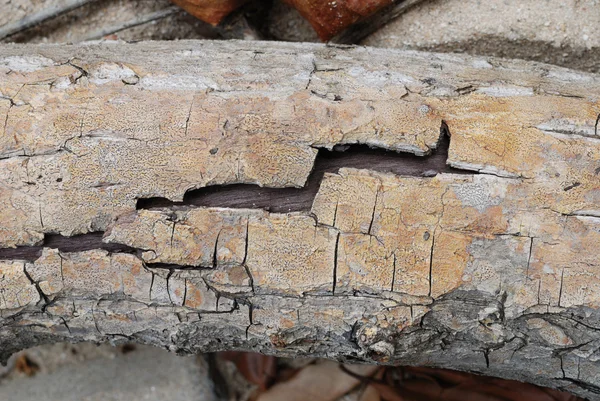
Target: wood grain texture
{"x":491,"y":272}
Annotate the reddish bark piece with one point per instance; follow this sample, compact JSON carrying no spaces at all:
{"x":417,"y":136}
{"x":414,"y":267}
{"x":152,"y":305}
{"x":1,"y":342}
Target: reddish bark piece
{"x":323,"y":381}
{"x":420,"y":383}
{"x":331,"y":17}
{"x":211,"y":11}
{"x":257,"y":368}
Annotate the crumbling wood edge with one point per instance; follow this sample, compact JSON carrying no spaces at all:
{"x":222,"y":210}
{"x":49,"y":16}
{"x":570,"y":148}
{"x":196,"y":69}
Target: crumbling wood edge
{"x":484,"y":262}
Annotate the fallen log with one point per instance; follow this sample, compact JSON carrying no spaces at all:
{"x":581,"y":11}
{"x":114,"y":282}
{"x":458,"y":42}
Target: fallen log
{"x":202,"y":196}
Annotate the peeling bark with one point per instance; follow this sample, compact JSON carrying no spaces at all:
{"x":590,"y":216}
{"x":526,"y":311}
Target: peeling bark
{"x":484,"y":262}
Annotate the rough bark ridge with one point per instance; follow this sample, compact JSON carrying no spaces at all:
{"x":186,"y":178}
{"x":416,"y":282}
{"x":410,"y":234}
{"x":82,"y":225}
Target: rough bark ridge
{"x":492,"y":272}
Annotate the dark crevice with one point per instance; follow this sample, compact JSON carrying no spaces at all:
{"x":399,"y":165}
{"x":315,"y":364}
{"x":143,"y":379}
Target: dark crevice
{"x":250,"y":312}
{"x":374,"y":210}
{"x":43,"y":296}
{"x":560,"y":291}
{"x":282,"y":200}
{"x":394,"y":277}
{"x":583,"y":384}
{"x":76,"y":243}
{"x":184,"y":291}
{"x":572,"y":186}
{"x":486,"y":355}
{"x":168,"y":289}
{"x":335,"y":262}
{"x":171,"y":266}
{"x":214,"y":256}
{"x":278,"y":200}
{"x":431,"y":265}
{"x":151,"y":285}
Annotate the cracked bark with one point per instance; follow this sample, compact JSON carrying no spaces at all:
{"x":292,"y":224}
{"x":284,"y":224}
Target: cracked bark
{"x":237,"y":223}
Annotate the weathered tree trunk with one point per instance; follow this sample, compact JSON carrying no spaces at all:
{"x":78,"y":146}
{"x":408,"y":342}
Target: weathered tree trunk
{"x":119,"y":221}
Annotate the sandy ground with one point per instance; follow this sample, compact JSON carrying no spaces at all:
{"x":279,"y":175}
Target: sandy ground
{"x":87,"y":372}
{"x":562,"y":32}
{"x":106,"y":17}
